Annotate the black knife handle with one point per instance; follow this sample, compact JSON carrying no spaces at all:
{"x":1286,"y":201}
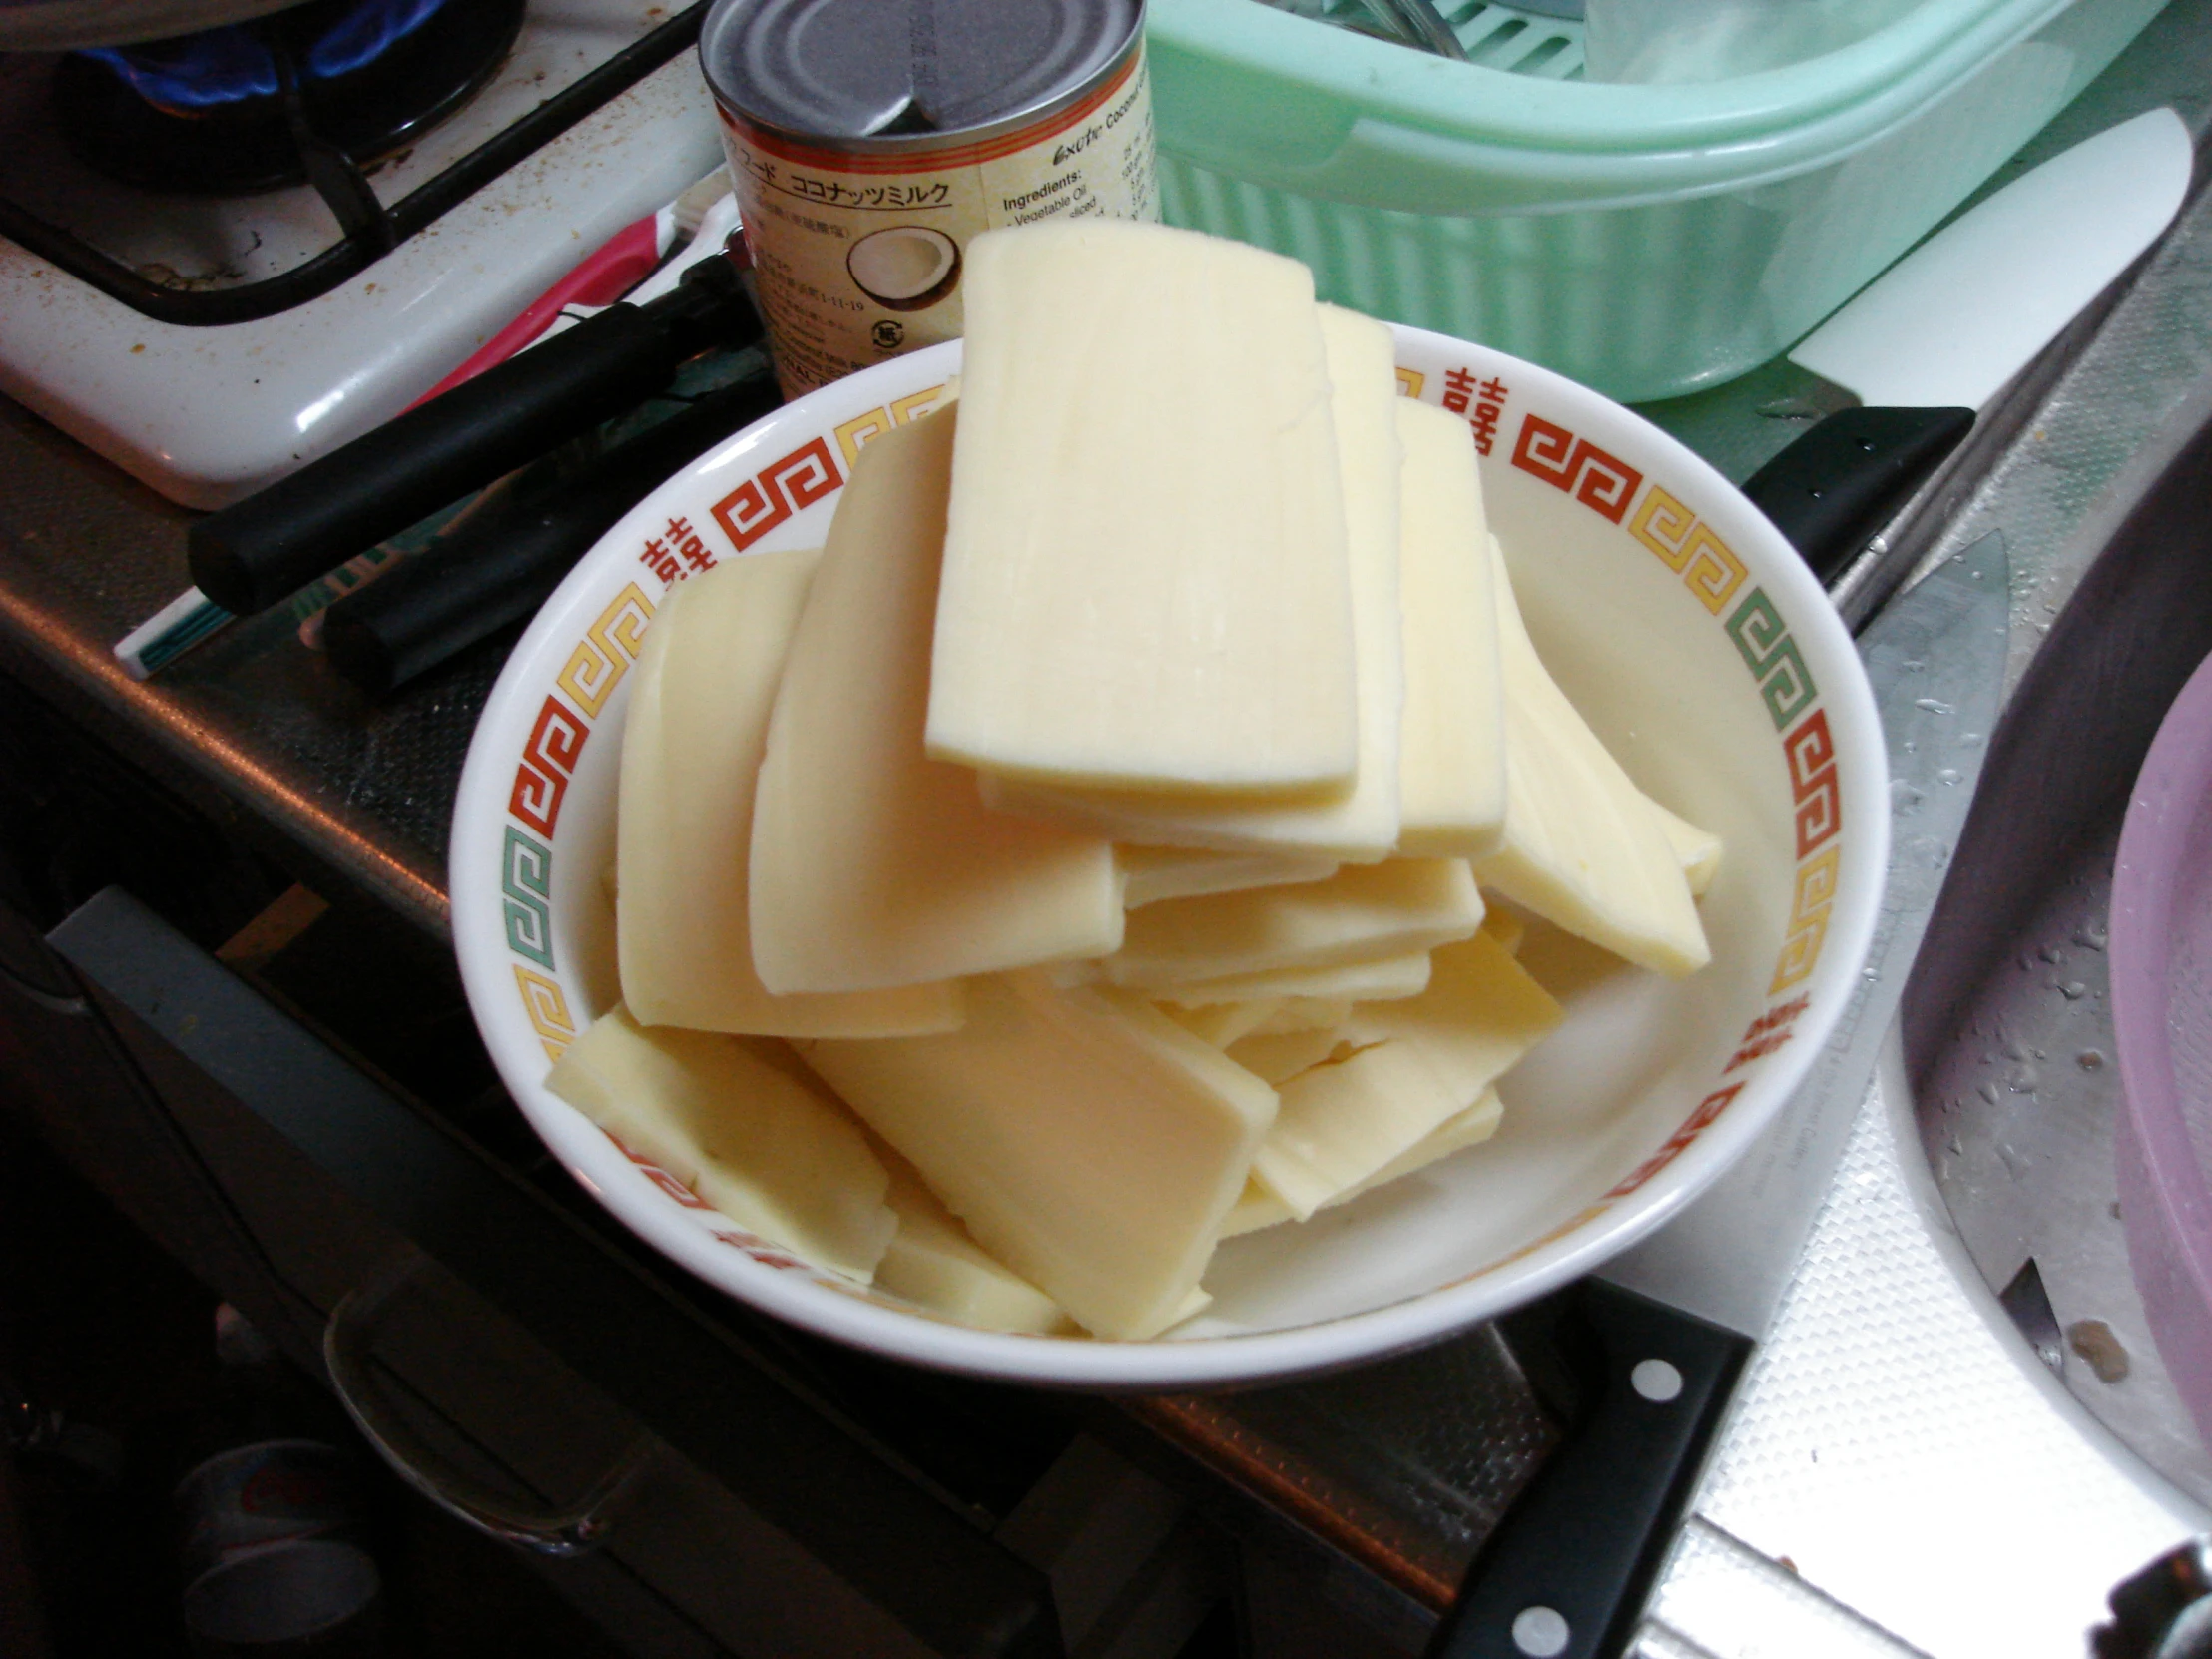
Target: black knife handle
{"x":251,"y":554}
{"x":1565,"y":1574}
{"x":501,"y":567}
{"x":1832,"y":489}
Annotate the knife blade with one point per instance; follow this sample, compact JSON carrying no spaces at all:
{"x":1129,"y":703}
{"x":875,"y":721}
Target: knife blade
{"x":1662,"y":1332}
{"x":1929,"y":342}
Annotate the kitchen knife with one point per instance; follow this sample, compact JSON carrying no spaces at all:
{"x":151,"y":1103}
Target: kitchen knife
{"x":253,"y":553}
{"x":1655,"y":1343}
{"x":502,"y":565}
{"x":1926,"y":344}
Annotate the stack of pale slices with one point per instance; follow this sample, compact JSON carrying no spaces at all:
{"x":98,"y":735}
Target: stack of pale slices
{"x":1082,"y":859}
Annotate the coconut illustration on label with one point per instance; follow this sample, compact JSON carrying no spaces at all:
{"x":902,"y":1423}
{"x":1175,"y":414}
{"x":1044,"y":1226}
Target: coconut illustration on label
{"x":909,"y":267}
{"x":868,"y":148}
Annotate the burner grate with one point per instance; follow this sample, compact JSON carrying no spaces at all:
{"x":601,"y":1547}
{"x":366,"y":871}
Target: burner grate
{"x":250,"y":111}
{"x":369,"y":228}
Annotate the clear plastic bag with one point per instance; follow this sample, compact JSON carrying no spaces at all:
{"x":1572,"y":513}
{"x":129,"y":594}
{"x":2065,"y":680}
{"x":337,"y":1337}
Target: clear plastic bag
{"x":1672,"y":41}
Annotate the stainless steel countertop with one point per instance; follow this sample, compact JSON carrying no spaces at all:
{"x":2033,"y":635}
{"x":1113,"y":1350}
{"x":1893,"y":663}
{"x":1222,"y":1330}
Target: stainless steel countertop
{"x":1898,"y":1475}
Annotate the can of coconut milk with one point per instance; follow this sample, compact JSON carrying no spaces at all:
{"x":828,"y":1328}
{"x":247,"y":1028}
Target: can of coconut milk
{"x":871,"y":139}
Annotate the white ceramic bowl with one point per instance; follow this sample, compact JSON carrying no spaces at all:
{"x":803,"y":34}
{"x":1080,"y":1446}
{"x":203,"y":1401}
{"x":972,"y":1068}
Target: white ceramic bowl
{"x":1674,"y":615}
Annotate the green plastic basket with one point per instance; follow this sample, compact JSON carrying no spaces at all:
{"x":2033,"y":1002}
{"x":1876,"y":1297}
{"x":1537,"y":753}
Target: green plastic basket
{"x":1646,"y":239}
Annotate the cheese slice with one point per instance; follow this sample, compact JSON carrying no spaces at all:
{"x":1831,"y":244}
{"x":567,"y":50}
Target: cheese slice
{"x":1361,"y":826}
{"x":1699,"y":849}
{"x":1362,"y":913}
{"x":1451,"y":784}
{"x":1384,"y":981}
{"x":1088,"y":1141}
{"x":1221,"y":1023}
{"x":772,"y":1152}
{"x":872,"y":865}
{"x":1343,"y":1121}
{"x":1462,"y":1129}
{"x":1256,"y":1207}
{"x":1194,"y":1302}
{"x":1398,"y":1071}
{"x":933,"y":1263}
{"x":1156,"y":872}
{"x":1505,"y":928}
{"x":1145,"y":572}
{"x":1583,"y":848}
{"x":1274,"y":1057}
{"x":1482,"y":1013}
{"x":691,"y":752}
{"x":1306,"y":1013}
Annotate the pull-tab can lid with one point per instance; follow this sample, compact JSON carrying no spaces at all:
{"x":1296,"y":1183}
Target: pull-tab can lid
{"x":906,"y":75}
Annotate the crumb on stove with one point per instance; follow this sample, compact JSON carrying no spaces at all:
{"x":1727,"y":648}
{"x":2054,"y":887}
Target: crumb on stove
{"x":2094,"y":1340}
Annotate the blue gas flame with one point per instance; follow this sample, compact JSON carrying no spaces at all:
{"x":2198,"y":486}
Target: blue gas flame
{"x":366,"y":32}
{"x":230,"y":65}
{"x":196,"y":72}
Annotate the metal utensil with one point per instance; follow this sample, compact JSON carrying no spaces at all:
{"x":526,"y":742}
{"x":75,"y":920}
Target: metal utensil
{"x":1419,"y":23}
{"x":1415,"y":23}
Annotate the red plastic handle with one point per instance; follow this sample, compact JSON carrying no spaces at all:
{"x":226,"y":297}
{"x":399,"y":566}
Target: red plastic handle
{"x":623,"y":261}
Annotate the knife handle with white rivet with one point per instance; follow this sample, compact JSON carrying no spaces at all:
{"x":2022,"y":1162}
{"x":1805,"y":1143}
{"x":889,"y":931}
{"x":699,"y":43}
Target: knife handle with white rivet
{"x":1565,"y":1574}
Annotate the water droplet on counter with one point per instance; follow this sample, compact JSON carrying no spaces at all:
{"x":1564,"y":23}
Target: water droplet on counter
{"x":1869,"y":975}
{"x":2015,"y":1051}
{"x":1926,"y":853}
{"x":2015,"y":1165}
{"x":2091,"y":938}
{"x":1904,"y":800}
{"x":1933,"y":704}
{"x":2073,"y":991}
{"x":2090,"y":1059}
{"x":1989,"y":1092}
{"x":1958,"y":1149}
{"x":2051,"y":954}
{"x":1948,"y":775}
{"x":2024,"y":1080}
{"x":1969,"y":740}
{"x":1912,"y":746}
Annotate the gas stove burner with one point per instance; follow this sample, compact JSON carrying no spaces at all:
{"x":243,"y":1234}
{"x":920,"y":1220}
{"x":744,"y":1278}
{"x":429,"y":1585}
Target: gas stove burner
{"x":250,"y":106}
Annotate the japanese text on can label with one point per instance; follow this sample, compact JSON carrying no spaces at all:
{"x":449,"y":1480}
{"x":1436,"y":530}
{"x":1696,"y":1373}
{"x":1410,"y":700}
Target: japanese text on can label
{"x":858,"y":255}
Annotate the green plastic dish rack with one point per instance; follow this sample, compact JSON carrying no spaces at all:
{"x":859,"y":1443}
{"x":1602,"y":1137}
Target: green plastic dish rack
{"x":1646,"y":239}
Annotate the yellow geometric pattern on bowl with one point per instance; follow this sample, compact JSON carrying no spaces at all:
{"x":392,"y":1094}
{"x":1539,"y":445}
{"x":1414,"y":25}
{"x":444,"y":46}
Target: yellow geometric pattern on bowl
{"x":1686,"y":544}
{"x":1807,"y":929}
{"x":864,"y":429}
{"x":608,"y":647}
{"x":547,"y":1005}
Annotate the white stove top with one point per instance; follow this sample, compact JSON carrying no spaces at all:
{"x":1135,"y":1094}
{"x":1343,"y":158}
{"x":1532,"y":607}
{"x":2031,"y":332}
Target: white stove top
{"x":207,"y":415}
